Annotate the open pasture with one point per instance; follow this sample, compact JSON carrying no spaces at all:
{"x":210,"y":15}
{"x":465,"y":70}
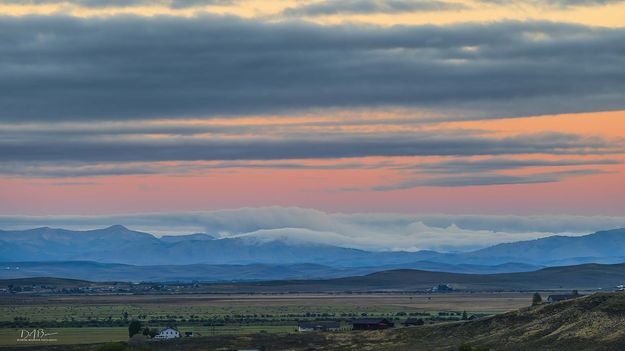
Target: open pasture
{"x":88,"y":319}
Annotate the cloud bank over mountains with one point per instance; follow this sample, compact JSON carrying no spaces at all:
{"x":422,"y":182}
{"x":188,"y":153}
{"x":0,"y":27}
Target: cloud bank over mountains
{"x":370,"y":231}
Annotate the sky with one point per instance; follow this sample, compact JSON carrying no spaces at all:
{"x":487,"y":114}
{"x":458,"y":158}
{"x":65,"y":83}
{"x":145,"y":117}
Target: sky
{"x":421,"y":107}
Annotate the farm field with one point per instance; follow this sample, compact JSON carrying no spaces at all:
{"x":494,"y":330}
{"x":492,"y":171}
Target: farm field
{"x":88,"y":335}
{"x":91,"y":319}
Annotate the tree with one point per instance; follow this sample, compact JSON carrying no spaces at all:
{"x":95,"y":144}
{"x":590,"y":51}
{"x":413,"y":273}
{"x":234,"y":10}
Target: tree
{"x":153,"y":332}
{"x":537,"y":299}
{"x":134,"y":328}
{"x":575,"y":293}
{"x":464,"y":315}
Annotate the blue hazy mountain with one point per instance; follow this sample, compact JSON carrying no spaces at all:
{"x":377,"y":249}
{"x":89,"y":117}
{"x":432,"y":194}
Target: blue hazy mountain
{"x":96,"y":271}
{"x":117,"y":244}
{"x":601,"y":247}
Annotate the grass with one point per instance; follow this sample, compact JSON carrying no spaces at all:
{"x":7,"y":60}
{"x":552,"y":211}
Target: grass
{"x":226,"y":315}
{"x":585,"y":324}
{"x":8,"y":337}
{"x":69,"y":335}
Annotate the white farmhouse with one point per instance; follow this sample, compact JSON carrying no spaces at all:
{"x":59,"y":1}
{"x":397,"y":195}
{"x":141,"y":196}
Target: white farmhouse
{"x":167,"y":333}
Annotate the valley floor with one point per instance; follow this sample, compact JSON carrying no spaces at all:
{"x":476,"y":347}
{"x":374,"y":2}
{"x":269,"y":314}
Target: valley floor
{"x":590,"y":323}
{"x":97,"y":319}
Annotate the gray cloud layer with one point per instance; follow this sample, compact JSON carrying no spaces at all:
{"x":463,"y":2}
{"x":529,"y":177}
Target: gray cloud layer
{"x":497,"y":164}
{"x":488,"y":179}
{"x":334,"y":7}
{"x":122,"y":67}
{"x":323,"y":7}
{"x":174,"y":4}
{"x":455,"y":166}
{"x":557,"y":3}
{"x":370,"y":231}
{"x":314,"y":147}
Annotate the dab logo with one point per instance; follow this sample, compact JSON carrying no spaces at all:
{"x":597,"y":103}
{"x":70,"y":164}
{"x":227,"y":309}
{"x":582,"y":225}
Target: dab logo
{"x":36,"y":335}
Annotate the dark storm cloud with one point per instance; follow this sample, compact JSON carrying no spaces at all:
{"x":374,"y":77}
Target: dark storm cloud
{"x":488,"y":179}
{"x":321,"y":147}
{"x":334,"y":7}
{"x":122,"y":3}
{"x":122,"y":67}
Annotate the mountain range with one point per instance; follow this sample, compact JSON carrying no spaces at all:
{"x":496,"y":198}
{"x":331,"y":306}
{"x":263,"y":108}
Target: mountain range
{"x":217,"y":259}
{"x":96,"y":271}
{"x":567,"y":278}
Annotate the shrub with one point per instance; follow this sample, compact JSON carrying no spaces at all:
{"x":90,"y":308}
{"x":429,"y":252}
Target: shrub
{"x":537,"y":299}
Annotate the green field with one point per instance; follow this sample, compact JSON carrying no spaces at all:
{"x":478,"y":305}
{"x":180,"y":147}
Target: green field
{"x":192,"y":314}
{"x":108,"y":334}
{"x":91,"y":319}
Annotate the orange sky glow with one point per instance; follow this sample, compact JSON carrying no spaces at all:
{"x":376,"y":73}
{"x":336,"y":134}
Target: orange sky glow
{"x":394,"y":153}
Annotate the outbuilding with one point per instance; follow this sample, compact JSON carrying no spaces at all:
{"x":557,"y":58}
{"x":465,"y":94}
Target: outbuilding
{"x":167,"y":333}
{"x":564,"y":297}
{"x":372,"y":324}
{"x":318,"y":326}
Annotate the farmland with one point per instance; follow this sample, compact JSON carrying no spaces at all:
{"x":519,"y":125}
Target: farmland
{"x":89,"y":319}
{"x":587,"y":323}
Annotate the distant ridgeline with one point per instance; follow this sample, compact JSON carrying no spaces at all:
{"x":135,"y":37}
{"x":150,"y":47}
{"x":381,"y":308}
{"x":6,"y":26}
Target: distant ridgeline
{"x":112,"y":249}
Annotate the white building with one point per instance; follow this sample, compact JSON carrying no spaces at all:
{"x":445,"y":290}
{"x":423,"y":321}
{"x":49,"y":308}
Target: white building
{"x":318,"y":326}
{"x":168,"y":333}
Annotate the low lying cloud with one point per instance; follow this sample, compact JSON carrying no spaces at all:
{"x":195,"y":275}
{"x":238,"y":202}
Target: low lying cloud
{"x":372,"y":231}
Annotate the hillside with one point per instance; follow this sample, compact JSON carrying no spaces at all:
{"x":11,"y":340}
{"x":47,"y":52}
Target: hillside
{"x":582,"y":277}
{"x":96,"y":271}
{"x":593,"y":322}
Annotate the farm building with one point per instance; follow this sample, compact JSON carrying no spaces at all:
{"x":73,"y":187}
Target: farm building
{"x":442,"y":288}
{"x":167,"y":333}
{"x":413,"y":321}
{"x":564,"y":297}
{"x":372,"y":324}
{"x":318,"y":326}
